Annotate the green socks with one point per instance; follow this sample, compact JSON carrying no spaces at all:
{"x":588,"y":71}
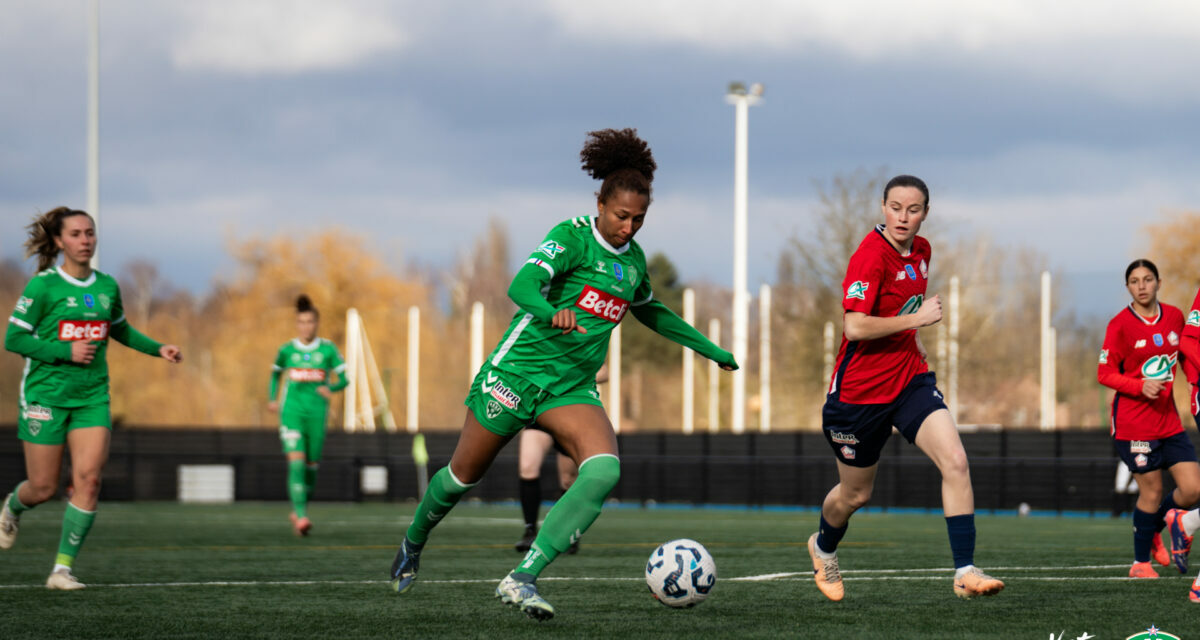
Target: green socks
{"x":573,"y":513}
{"x":310,"y":478}
{"x":297,"y":488}
{"x":441,"y":496}
{"x":14,"y":503}
{"x":76,"y":524}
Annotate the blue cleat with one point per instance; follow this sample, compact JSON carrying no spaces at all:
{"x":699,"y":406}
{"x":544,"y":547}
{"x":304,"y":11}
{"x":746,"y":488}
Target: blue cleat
{"x":524,"y":596}
{"x":1181,"y":542}
{"x":404,"y":567}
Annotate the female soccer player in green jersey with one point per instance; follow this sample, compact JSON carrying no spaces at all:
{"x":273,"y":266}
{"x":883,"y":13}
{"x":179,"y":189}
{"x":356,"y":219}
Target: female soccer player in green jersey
{"x":62,"y":324}
{"x":572,"y":291}
{"x":307,"y":364}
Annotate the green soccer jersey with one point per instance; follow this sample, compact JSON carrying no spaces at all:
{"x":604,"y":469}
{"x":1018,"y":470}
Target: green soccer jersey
{"x":56,"y":310}
{"x":599,"y":282}
{"x":304,"y":368}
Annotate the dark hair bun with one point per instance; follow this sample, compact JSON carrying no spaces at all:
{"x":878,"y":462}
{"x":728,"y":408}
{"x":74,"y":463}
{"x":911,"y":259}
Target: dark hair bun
{"x":607,"y":151}
{"x":303,"y":303}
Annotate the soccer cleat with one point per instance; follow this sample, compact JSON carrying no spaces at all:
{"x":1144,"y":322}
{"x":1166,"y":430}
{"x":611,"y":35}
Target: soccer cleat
{"x":302,"y":526}
{"x":976,"y":583}
{"x":404,"y":567}
{"x":1142,"y":570}
{"x":62,"y":580}
{"x":526,"y":540}
{"x":1181,"y":542}
{"x":8,"y":525}
{"x":574,"y":548}
{"x":1194,"y":594}
{"x":1158,"y":551}
{"x":826,"y":572}
{"x":524,"y":596}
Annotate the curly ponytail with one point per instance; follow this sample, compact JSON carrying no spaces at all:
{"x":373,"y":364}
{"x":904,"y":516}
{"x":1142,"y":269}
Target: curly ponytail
{"x":304,"y":304}
{"x":621,"y":159}
{"x":42,"y":232}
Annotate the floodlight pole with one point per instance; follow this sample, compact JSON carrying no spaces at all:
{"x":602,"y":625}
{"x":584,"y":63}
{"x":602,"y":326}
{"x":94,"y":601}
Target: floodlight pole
{"x":741,"y":99}
{"x":93,"y":125}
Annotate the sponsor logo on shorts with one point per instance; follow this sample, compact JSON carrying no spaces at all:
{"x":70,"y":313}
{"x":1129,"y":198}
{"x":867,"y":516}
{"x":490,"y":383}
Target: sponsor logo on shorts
{"x":1160,"y":367}
{"x":551,"y":248}
{"x":24,"y":303}
{"x":35,"y":427}
{"x":843,"y":438}
{"x":494,"y":387}
{"x":493,"y":409}
{"x":1139,"y":344}
{"x":1173,"y":339}
{"x":306,"y":375}
{"x":1104,"y":356}
{"x":70,"y":330}
{"x":290,"y":438}
{"x":857,"y":290}
{"x":1193,"y":319}
{"x":1139,"y":446}
{"x":1141,"y":460}
{"x":602,"y":305}
{"x":847,"y":453}
{"x":37,"y":412}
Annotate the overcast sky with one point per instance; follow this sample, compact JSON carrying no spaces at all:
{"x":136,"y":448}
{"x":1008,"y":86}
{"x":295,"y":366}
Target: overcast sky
{"x":1065,"y":126}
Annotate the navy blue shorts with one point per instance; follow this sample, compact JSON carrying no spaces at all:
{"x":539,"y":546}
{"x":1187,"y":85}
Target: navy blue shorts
{"x":1141,"y":456}
{"x":857,"y":432}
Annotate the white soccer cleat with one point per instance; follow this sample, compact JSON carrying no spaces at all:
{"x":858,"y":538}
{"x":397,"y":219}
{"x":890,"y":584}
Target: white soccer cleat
{"x":8,"y":525}
{"x":62,"y":580}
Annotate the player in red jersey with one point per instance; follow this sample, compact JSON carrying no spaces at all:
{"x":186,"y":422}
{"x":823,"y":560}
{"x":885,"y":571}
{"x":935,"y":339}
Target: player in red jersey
{"x":881,"y":381}
{"x":1141,"y":349}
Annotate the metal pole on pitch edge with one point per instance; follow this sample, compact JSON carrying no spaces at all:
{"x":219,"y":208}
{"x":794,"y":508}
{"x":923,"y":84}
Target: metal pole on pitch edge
{"x":689,"y":364}
{"x":714,"y":380}
{"x":741,"y":99}
{"x":614,"y":379}
{"x":1047,"y":422}
{"x":764,"y":359}
{"x":414,"y":366}
{"x":476,"y":337}
{"x":93,"y":125}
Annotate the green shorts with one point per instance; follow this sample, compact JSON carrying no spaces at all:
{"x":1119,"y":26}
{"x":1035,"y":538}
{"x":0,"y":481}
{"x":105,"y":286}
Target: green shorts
{"x":504,"y":403}
{"x":303,"y":433}
{"x":40,"y":424}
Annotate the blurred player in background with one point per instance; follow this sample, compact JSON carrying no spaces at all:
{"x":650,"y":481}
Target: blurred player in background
{"x":573,"y":290}
{"x":882,"y":380}
{"x":1141,"y":349}
{"x":535,"y":442}
{"x":61,"y":324}
{"x":1182,"y":524}
{"x":307,"y":365}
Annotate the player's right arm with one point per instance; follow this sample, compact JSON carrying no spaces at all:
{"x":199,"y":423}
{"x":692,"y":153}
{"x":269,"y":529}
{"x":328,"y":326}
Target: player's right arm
{"x":276,"y":372}
{"x":557,"y":254}
{"x":860,"y":293}
{"x":1108,"y":372}
{"x":22,"y":325}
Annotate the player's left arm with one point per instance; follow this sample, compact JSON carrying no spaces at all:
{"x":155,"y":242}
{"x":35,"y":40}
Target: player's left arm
{"x":123,"y":332}
{"x":338,"y":369}
{"x":660,"y":319}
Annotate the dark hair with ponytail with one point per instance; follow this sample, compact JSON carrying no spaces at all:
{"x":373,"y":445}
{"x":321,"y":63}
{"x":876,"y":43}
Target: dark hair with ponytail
{"x":42,"y":232}
{"x":621,"y":159}
{"x":304,"y":305}
{"x":1141,"y":262}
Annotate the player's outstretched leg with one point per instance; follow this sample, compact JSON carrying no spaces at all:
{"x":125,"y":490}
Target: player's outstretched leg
{"x":443,"y":493}
{"x":1181,"y":535}
{"x":76,"y":524}
{"x":969,"y":581}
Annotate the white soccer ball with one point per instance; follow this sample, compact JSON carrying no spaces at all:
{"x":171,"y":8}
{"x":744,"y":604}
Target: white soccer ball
{"x":681,"y":573}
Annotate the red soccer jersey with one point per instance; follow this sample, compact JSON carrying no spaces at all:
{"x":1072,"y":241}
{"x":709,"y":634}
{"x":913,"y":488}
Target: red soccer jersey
{"x":881,"y":282}
{"x":1189,"y":347}
{"x":1138,"y":349}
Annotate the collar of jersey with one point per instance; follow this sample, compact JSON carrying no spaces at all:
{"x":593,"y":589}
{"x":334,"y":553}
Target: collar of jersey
{"x":879,"y":228}
{"x":75,"y":281}
{"x":604,"y":243}
{"x":1147,"y":321}
{"x":312,"y":346}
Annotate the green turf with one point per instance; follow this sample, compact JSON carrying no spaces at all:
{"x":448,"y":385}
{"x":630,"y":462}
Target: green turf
{"x":147,"y":564}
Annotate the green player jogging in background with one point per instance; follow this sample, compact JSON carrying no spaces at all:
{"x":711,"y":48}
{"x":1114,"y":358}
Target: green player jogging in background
{"x":61,"y":324}
{"x":571,"y":293}
{"x":307,"y":365}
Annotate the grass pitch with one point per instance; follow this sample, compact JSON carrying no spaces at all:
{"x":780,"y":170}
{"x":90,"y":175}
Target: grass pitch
{"x":162,"y":570}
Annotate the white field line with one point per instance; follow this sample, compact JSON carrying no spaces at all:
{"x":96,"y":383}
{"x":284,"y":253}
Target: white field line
{"x":856,"y":576}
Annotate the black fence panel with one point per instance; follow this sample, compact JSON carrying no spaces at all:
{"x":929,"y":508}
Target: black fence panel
{"x":1066,"y":470}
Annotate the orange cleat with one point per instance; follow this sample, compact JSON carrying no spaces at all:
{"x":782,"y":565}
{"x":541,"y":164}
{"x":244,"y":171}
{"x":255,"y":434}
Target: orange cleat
{"x":1194,"y":594}
{"x":1142,"y":570}
{"x":1181,"y":542}
{"x":976,"y":583}
{"x":826,"y":572}
{"x":1158,"y":551}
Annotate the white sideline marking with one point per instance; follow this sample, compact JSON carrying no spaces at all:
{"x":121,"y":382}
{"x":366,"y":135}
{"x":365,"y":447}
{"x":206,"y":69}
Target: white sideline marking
{"x":856,"y":576}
